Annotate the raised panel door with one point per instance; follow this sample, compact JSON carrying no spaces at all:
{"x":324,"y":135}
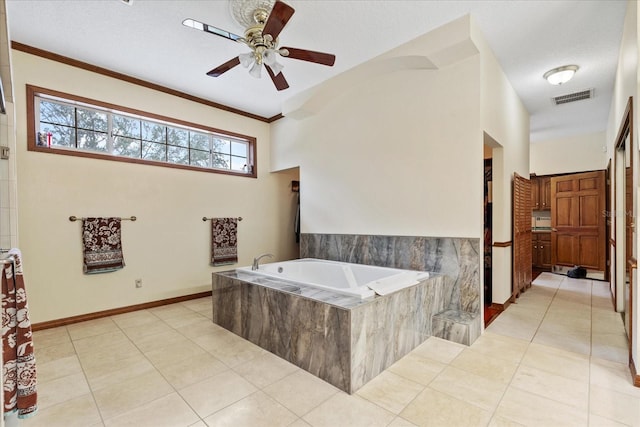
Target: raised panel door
{"x":588,"y":251}
{"x":545,"y":193}
{"x":589,"y":212}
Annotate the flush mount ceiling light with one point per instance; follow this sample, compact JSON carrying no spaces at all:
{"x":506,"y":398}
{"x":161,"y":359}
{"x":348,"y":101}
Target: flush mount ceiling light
{"x":560,"y":75}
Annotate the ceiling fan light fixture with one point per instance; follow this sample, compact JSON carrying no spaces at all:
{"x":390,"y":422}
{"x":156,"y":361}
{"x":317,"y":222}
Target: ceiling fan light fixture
{"x":246,"y":59}
{"x":270,"y":58}
{"x":256,"y":70}
{"x":560,"y":75}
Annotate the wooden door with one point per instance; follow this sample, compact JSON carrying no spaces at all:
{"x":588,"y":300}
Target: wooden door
{"x":522,"y":245}
{"x":578,"y":220}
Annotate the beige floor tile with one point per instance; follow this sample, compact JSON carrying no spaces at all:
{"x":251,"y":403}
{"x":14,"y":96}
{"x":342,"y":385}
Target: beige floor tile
{"x":619,"y":407}
{"x":577,"y":343}
{"x":498,"y":421}
{"x":199,"y":424}
{"x":514,"y":326}
{"x":169,"y":311}
{"x":136,"y":332}
{"x":401,"y":422}
{"x":613,"y":376}
{"x":300,"y":392}
{"x":167,"y":411}
{"x":501,"y":347}
{"x":174,"y":353}
{"x":229,"y":348}
{"x":258,"y":409}
{"x":105,"y":355}
{"x":185,"y":320}
{"x":91,"y":328}
{"x":200,"y":304}
{"x":439,"y":350}
{"x":61,"y":389}
{"x":54,"y":352}
{"x":58,"y":368}
{"x":390,"y":391}
{"x":606,"y":321}
{"x":49,"y":337}
{"x":201,"y":329}
{"x":555,"y":387}
{"x":136,"y":391}
{"x":265,"y":369}
{"x":598,"y":421}
{"x":98,"y":343}
{"x":531,"y":409}
{"x":134,"y":318}
{"x":111,"y":372}
{"x":434,"y":409}
{"x":199,"y":367}
{"x":610,"y":346}
{"x":160,"y":340}
{"x":471,"y":388}
{"x":557,"y":361}
{"x":80,"y":411}
{"x":300,"y":423}
{"x":478,"y":363}
{"x":348,"y":410}
{"x":217,"y":392}
{"x":417,"y":368}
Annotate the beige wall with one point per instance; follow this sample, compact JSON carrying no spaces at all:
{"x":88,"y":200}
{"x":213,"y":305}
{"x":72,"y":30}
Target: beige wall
{"x":397,"y":154}
{"x":577,"y":153}
{"x":626,"y":86}
{"x":168,"y":247}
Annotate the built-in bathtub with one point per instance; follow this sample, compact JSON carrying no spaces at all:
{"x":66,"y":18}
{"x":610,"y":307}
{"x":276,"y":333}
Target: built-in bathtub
{"x":345,"y":340}
{"x":358,"y":280}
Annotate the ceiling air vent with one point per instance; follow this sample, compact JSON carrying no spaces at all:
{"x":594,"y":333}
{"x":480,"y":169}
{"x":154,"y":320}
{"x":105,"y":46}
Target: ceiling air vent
{"x":572,"y":97}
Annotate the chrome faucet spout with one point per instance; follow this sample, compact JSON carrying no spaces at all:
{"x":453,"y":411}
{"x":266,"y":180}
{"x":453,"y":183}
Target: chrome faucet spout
{"x":256,"y":261}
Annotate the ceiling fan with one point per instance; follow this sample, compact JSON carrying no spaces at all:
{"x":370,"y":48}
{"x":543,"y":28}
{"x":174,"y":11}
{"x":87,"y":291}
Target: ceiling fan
{"x":263,"y":20}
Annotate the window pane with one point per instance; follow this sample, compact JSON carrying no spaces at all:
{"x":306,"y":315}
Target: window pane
{"x":239,"y":149}
{"x":200,"y":158}
{"x":177,"y":155}
{"x":177,"y":136}
{"x":92,"y":120}
{"x":152,"y":151}
{"x":199,"y":141}
{"x":153,"y":132}
{"x":221,"y":146}
{"x":129,"y":147}
{"x":238,"y":163}
{"x":88,"y":140}
{"x":126,"y":126}
{"x":52,"y":112}
{"x":221,"y":161}
{"x":61,"y":136}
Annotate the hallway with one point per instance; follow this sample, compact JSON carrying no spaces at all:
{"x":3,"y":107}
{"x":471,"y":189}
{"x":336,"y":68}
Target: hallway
{"x":556,"y":358}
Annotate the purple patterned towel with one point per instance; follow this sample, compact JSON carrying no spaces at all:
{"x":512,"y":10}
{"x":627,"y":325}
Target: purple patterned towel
{"x":102,"y":245}
{"x":224,"y":241}
{"x":18,"y":360}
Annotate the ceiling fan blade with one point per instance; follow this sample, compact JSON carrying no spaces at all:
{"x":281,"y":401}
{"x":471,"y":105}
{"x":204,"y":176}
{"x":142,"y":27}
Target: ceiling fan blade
{"x":216,"y":72}
{"x":278,"y":18}
{"x":311,"y":56}
{"x":192,"y":23}
{"x":278,"y":79}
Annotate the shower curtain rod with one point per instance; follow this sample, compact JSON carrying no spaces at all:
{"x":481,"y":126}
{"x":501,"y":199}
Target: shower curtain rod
{"x":73,"y":218}
{"x":204,"y":218}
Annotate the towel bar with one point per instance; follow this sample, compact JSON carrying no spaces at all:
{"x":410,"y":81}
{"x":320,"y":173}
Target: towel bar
{"x":204,"y":218}
{"x":73,"y":218}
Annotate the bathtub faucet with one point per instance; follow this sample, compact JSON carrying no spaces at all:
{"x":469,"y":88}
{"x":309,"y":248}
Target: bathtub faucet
{"x":257,"y":259}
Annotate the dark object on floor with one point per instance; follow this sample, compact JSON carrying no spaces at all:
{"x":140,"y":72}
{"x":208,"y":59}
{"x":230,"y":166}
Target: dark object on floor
{"x":577,"y":272}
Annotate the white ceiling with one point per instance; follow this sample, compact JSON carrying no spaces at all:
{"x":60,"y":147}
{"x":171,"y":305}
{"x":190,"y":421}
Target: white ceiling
{"x":146,"y":40}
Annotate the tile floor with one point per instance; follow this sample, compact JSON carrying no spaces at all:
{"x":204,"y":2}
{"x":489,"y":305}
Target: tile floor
{"x":556,"y":358}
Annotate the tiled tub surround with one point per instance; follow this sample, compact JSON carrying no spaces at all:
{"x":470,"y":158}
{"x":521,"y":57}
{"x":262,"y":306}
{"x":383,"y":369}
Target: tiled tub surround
{"x":456,"y":258}
{"x":343,"y":340}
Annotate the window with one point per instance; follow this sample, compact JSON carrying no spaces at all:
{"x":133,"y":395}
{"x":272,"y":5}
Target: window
{"x":65,"y":124}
